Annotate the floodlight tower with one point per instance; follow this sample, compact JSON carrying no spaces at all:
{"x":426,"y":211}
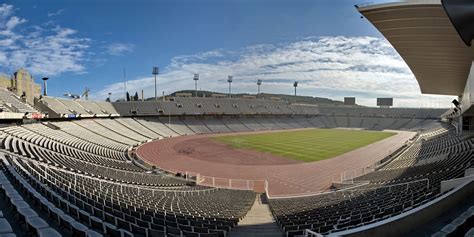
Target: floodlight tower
{"x":156,"y":71}
{"x":229,"y":80}
{"x":196,"y":79}
{"x":295,"y":84}
{"x":259,"y":83}
{"x":44,"y":86}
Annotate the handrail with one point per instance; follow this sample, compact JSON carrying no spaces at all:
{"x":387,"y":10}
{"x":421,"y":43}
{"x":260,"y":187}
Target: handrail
{"x":314,"y":193}
{"x":398,"y":184}
{"x":200,"y":179}
{"x":310,"y":233}
{"x":351,"y":189}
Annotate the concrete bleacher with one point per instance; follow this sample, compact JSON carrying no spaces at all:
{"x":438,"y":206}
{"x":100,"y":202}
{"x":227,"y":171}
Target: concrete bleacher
{"x":337,"y":116}
{"x":216,"y":126}
{"x":66,"y":108}
{"x":13,"y":107}
{"x":198,"y":126}
{"x":10,"y":102}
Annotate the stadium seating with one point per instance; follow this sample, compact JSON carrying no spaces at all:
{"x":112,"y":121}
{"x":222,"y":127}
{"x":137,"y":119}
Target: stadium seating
{"x":10,"y":102}
{"x":64,"y":158}
{"x":78,"y":178}
{"x":113,"y":209}
{"x":239,"y":106}
{"x":198,"y":126}
{"x":65,"y":108}
{"x":404,"y":183}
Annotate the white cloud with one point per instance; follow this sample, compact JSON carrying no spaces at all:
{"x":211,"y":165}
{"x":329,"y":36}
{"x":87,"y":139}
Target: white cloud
{"x":332,"y":67}
{"x":56,"y":13}
{"x":13,"y":22}
{"x":53,"y":54}
{"x":119,"y":48}
{"x":5,"y":10}
{"x":43,"y":51}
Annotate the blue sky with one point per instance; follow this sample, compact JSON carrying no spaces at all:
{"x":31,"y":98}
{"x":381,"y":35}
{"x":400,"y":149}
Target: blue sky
{"x":323,"y":44}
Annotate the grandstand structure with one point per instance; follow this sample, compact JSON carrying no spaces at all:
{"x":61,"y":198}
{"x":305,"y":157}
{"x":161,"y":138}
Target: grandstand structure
{"x":85,"y":175}
{"x":89,"y":168}
{"x":81,"y":176}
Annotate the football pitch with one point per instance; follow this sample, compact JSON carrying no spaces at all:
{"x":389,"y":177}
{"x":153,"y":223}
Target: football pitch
{"x":305,"y":145}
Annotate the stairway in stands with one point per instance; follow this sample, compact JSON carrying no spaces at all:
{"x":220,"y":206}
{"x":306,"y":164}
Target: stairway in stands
{"x":258,"y":222}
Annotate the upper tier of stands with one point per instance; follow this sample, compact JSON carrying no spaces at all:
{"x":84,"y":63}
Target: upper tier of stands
{"x":10,"y":102}
{"x":12,"y":107}
{"x":239,"y":106}
{"x":65,"y":108}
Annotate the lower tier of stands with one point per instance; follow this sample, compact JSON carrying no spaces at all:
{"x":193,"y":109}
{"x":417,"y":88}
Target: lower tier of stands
{"x":403,"y":184}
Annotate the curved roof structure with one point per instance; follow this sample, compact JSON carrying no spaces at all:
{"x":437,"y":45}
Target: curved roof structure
{"x":425,"y":38}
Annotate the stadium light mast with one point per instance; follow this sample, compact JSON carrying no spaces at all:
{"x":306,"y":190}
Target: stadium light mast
{"x":259,"y":83}
{"x":156,"y":71}
{"x":44,"y":85}
{"x":295,"y":84}
{"x":229,"y":80}
{"x":196,"y":79}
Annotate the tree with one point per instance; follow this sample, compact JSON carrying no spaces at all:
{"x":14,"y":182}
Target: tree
{"x":135,"y":97}
{"x":128,"y":96}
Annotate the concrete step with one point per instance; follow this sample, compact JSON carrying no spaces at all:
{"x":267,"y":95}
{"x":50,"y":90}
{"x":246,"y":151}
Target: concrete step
{"x":258,"y":222}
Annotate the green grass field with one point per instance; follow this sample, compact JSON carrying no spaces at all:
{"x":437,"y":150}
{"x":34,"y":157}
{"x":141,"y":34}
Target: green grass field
{"x":306,"y":145}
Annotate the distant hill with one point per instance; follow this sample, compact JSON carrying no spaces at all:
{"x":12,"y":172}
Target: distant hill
{"x":289,"y":98}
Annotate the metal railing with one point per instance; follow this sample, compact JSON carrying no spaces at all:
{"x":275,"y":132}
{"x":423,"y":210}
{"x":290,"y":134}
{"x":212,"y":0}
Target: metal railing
{"x":355,"y":188}
{"x":310,"y":233}
{"x":314,"y":193}
{"x":238,"y":184}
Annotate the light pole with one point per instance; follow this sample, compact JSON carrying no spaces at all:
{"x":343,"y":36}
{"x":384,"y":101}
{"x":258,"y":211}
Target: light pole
{"x":295,"y":84}
{"x":259,"y":83}
{"x":156,"y":71}
{"x":44,"y":86}
{"x":196,"y":79}
{"x":229,"y":80}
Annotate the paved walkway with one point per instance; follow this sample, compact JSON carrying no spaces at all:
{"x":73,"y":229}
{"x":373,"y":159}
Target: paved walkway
{"x":258,"y":222}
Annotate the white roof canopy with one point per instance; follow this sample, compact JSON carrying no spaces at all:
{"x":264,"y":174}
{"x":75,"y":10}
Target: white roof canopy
{"x":427,"y":41}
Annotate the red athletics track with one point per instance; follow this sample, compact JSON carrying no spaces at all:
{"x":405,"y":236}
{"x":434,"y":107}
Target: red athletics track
{"x":198,"y":154}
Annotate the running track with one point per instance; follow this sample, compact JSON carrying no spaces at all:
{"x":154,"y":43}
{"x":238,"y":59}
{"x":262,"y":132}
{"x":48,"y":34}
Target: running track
{"x":181,"y":154}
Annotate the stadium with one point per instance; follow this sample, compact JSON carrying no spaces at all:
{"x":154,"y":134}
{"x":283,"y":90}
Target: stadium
{"x":202,"y":164}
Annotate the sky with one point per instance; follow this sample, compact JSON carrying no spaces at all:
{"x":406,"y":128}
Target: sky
{"x":323,"y":44}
